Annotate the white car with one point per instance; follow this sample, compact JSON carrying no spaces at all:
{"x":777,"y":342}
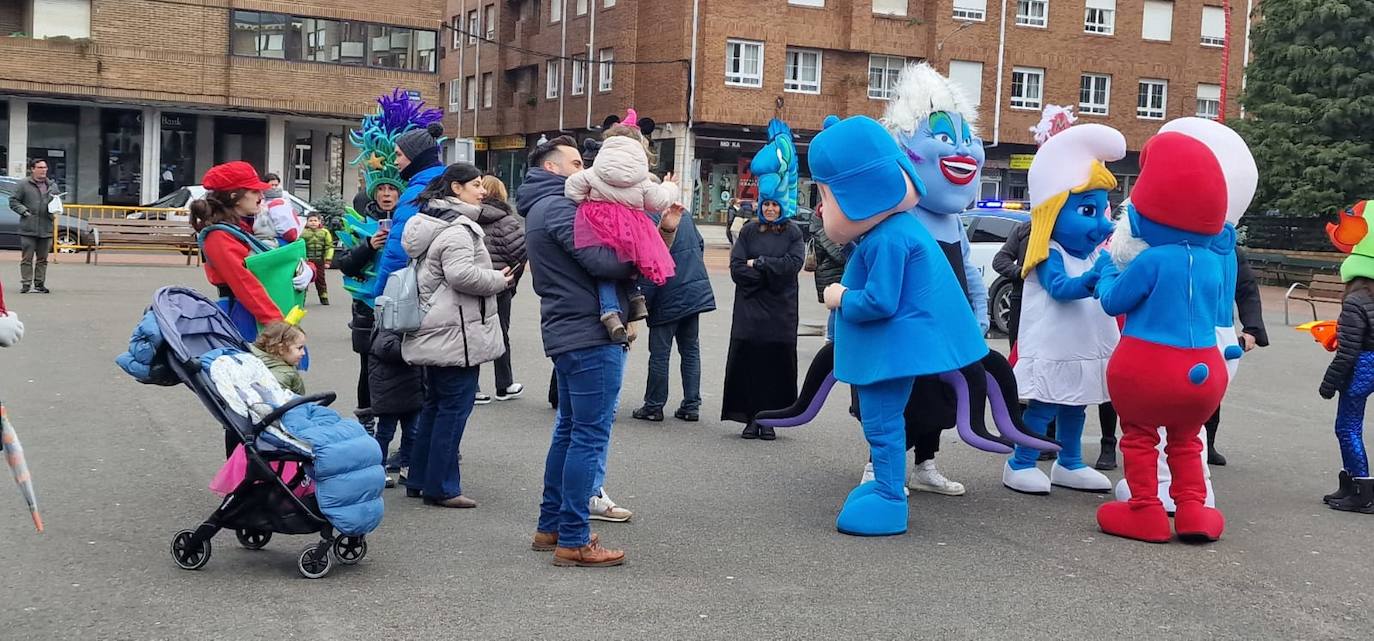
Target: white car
{"x":988,"y":225}
{"x":181,"y":200}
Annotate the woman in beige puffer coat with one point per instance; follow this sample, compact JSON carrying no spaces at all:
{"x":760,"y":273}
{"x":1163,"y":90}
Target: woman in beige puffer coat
{"x":460,"y":330}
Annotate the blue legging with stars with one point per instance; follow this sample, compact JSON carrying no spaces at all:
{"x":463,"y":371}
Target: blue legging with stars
{"x":1350,"y":416}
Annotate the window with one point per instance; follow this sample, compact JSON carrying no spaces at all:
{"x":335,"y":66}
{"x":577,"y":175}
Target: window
{"x":556,"y":10}
{"x":607,"y":57}
{"x":298,"y":38}
{"x":1100,"y":17}
{"x":889,"y":7}
{"x":470,"y":88}
{"x":352,"y":48}
{"x":260,"y":34}
{"x":488,"y":88}
{"x":1094,"y":94}
{"x":743,"y":63}
{"x":474,"y":27}
{"x":455,"y":95}
{"x":581,"y":7}
{"x":1209,"y":101}
{"x":1159,"y":20}
{"x":608,"y":4}
{"x":882,"y":75}
{"x":1027,"y":87}
{"x":968,"y":76}
{"x":807,"y":3}
{"x":489,"y":20}
{"x":803,"y":72}
{"x":553,"y":78}
{"x":1153,"y":96}
{"x":1032,"y":13}
{"x":579,"y":77}
{"x":976,"y":10}
{"x":426,"y":46}
{"x":457,"y":31}
{"x":1213,"y":26}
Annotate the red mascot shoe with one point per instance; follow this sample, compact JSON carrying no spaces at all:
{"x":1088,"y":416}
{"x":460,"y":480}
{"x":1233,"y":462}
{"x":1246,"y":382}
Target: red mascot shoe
{"x":1144,"y":521}
{"x":1198,"y":523}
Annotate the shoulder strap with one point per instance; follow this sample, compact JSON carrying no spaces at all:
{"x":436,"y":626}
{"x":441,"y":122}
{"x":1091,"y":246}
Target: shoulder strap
{"x":255,"y":246}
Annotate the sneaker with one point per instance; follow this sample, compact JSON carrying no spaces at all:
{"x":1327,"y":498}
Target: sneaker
{"x":482,"y":399}
{"x":691,"y":416}
{"x":403,"y":474}
{"x":41,"y":289}
{"x":324,"y":301}
{"x":390,"y":481}
{"x":514,"y":391}
{"x":591,"y":555}
{"x":602,"y":508}
{"x":925,"y":478}
{"x":25,"y":289}
{"x":645,"y":414}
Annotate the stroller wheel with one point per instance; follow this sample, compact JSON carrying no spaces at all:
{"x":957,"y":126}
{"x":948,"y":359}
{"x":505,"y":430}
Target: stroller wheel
{"x":315,"y":562}
{"x":187,"y":555}
{"x":350,"y":549}
{"x":253,"y":539}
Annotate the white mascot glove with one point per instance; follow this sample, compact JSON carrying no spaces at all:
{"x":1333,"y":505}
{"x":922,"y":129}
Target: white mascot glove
{"x":305,"y":274}
{"x":11,"y":329}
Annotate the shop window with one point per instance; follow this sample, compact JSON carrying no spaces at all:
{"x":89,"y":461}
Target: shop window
{"x":743,"y":63}
{"x":52,"y":137}
{"x":1027,"y":87}
{"x":882,"y":75}
{"x":178,"y":142}
{"x":1032,"y":13}
{"x":1100,"y":17}
{"x":121,"y":173}
{"x":1152,"y":97}
{"x":1094,"y":94}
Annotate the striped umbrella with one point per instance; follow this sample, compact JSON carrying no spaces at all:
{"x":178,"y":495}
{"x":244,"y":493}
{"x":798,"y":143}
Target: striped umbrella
{"x":14,"y":455}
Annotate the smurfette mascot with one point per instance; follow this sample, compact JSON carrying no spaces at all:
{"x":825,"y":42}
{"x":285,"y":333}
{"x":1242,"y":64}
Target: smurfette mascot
{"x":1065,"y":337}
{"x":900,"y":312}
{"x":1167,"y":370}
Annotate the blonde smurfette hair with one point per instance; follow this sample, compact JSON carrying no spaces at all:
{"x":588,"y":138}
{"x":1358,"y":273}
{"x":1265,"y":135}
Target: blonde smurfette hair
{"x":1044,"y":215}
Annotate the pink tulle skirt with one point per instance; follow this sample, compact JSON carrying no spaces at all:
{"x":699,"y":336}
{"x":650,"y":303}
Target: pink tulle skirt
{"x":632,"y":234}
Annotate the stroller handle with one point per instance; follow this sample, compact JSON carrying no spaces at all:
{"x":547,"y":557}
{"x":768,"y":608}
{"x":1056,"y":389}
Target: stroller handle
{"x":323,"y":398}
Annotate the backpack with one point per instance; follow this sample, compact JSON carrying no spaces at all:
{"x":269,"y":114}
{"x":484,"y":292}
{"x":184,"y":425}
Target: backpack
{"x":398,"y":307}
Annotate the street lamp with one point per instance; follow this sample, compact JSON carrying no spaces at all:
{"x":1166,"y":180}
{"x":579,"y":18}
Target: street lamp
{"x":963,"y":24}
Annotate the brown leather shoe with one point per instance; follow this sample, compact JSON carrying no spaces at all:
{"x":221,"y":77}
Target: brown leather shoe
{"x":459,"y":501}
{"x":591,"y":555}
{"x":547,"y":541}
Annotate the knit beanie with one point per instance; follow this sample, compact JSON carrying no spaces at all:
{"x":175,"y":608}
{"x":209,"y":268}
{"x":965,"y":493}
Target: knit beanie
{"x":416,"y":142}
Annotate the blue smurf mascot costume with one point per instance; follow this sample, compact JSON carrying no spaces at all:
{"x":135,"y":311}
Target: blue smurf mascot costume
{"x":899,"y":310}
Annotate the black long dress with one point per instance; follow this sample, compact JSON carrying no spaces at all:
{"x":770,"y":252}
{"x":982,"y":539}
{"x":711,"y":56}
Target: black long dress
{"x":761,"y":369}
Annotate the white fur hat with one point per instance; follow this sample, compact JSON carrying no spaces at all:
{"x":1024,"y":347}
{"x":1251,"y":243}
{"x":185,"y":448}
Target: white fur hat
{"x":922,"y":91}
{"x":1237,"y":164}
{"x":1065,"y":161}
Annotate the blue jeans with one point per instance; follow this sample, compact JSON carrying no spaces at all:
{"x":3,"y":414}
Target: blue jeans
{"x":609,"y":297}
{"x":449,"y":396}
{"x":660,"y":351}
{"x":588,"y":387}
{"x":386,"y":430}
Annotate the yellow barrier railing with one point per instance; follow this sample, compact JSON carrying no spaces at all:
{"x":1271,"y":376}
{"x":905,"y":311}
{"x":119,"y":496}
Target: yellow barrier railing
{"x":70,"y":239}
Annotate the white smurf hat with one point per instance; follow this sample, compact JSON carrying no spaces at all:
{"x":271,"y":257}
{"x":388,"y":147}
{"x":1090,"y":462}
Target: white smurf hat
{"x":1067,"y":159}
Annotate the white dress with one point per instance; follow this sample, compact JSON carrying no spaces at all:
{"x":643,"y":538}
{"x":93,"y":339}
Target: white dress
{"x":1063,"y":346}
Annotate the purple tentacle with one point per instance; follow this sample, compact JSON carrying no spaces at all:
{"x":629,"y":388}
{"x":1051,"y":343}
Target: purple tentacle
{"x":811,"y":410}
{"x":1009,"y":427}
{"x":955,"y":380}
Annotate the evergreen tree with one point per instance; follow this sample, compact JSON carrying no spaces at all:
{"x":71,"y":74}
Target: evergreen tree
{"x":330,"y":206}
{"x":1309,"y":105}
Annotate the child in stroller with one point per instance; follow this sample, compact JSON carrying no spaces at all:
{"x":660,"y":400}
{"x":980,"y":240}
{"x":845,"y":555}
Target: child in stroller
{"x":196,"y":344}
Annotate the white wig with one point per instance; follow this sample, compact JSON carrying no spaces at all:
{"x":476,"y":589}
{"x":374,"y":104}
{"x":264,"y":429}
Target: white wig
{"x":922,"y":91}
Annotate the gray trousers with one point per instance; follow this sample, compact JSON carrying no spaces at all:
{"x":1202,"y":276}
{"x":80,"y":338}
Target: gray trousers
{"x":33,"y":265}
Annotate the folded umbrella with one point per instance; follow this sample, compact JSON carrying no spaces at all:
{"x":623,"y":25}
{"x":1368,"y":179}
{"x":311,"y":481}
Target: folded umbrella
{"x":14,"y":455}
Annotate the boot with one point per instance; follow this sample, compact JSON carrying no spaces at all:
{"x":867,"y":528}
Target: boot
{"x":1142,"y":517}
{"x":1361,"y":501}
{"x":616,"y":329}
{"x":1345,"y":488}
{"x":1106,"y":459}
{"x":639,"y":310}
{"x":751,"y":431}
{"x":1213,"y":456}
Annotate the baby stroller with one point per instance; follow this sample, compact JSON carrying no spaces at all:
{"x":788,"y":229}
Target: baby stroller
{"x":264,"y":503}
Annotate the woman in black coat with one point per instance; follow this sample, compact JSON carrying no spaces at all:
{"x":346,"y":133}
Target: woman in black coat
{"x":761,"y":368}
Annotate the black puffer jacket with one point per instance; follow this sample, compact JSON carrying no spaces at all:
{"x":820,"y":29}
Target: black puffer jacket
{"x":505,"y":236}
{"x":396,"y":387}
{"x":830,"y":258}
{"x":1354,"y":334}
{"x":352,"y":262}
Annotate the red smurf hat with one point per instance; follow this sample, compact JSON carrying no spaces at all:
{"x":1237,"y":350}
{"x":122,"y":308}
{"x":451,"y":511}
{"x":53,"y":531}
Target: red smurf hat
{"x":1181,"y":184}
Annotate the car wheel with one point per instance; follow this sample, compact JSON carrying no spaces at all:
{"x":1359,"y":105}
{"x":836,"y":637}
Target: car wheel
{"x":67,"y":241}
{"x":1001,"y":306}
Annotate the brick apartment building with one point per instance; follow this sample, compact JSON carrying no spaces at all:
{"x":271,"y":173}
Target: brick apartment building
{"x":537,"y":67}
{"x":131,"y":99}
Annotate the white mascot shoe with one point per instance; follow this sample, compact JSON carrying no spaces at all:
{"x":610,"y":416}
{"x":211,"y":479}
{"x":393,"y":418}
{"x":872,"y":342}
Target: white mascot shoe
{"x":1028,"y":481}
{"x":1084,"y":479}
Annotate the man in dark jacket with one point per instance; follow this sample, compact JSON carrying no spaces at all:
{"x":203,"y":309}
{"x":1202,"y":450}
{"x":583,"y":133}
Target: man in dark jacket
{"x":31,"y":200}
{"x":1252,"y":335}
{"x":1007,"y":263}
{"x":590,"y":365}
{"x":674,"y":311}
{"x":830,"y":261}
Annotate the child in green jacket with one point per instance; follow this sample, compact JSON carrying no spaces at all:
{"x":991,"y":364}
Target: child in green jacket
{"x":281,"y":346}
{"x":319,"y":250}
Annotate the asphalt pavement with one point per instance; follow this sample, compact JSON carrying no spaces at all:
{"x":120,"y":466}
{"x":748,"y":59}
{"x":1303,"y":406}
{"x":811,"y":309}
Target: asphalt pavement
{"x":731,"y":539}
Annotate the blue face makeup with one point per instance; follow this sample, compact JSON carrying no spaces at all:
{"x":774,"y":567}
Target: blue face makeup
{"x":948,"y":159}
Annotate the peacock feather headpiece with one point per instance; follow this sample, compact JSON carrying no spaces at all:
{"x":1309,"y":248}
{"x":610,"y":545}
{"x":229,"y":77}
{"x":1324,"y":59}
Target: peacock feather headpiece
{"x":376,"y":138}
{"x":775,"y":168}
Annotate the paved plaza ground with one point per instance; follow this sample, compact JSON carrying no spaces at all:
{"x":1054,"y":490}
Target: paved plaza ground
{"x":731,"y":539}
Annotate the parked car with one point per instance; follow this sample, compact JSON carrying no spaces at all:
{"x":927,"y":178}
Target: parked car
{"x":70,"y":230}
{"x":181,"y":200}
{"x":988,"y":224}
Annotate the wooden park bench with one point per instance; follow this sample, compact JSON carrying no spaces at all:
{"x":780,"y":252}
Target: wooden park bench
{"x":144,"y":235}
{"x":1323,"y":288}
